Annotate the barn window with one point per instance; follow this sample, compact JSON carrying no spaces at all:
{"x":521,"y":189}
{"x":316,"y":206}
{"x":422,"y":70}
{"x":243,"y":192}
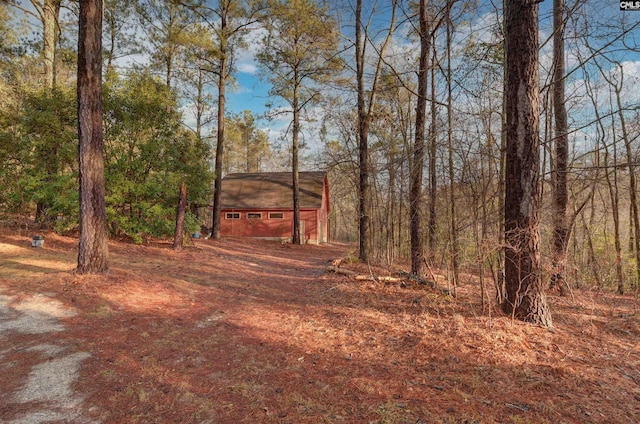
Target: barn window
{"x":276,"y":215}
{"x":254,"y":215}
{"x":232,"y":215}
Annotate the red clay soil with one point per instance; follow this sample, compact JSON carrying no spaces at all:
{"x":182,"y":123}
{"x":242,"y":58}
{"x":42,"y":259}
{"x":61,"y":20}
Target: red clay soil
{"x":237,"y":331}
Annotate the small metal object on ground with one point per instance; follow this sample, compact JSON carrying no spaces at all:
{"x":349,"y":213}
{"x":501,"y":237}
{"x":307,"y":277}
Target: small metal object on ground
{"x":38,"y":241}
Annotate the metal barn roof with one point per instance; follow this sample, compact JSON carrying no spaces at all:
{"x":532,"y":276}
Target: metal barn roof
{"x":271,"y":190}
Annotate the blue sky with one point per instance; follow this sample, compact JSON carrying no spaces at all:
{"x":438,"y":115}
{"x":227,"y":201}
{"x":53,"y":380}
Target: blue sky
{"x":251,"y":93}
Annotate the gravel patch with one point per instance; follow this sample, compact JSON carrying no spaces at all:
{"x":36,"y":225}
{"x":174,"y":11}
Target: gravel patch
{"x":49,"y":384}
{"x":38,"y":314}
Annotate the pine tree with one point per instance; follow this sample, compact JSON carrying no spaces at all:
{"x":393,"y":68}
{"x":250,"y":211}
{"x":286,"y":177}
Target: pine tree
{"x":525,"y":297}
{"x":93,"y":249}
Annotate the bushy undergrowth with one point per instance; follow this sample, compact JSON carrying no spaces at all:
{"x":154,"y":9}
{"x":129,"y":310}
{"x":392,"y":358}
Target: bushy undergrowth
{"x":148,"y":153}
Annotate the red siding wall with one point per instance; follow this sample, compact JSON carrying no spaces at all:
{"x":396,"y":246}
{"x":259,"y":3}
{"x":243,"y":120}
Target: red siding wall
{"x":266,"y":227}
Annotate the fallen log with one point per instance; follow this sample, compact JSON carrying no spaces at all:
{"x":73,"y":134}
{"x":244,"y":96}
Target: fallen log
{"x":363,"y":277}
{"x":386,"y":279}
{"x":404,"y":276}
{"x":341,"y":271}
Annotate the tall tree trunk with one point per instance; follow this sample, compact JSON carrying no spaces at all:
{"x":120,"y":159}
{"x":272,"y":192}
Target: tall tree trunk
{"x":631,"y":231}
{"x":611,"y":177}
{"x":297,"y":237}
{"x":415,"y":191}
{"x":363,"y":142}
{"x":389,"y":218}
{"x":615,"y":199}
{"x":93,"y":249}
{"x":364,"y":117}
{"x":433,"y":176}
{"x":168,"y":59}
{"x":112,"y":29}
{"x":525,"y":297}
{"x":560,"y":195}
{"x":600,"y":132}
{"x":217,"y":186}
{"x":181,"y":211}
{"x":453,"y":227}
{"x":200,"y":103}
{"x":613,"y":194}
{"x":51,"y":10}
{"x":500,"y":278}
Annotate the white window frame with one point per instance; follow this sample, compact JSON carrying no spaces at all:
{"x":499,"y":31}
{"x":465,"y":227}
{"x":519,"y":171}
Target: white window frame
{"x":257,"y":215}
{"x":271,"y":215}
{"x":232,"y":215}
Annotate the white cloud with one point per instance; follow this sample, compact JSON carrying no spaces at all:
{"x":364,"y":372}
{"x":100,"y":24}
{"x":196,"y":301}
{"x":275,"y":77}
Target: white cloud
{"x":246,"y":61}
{"x":247,"y":68}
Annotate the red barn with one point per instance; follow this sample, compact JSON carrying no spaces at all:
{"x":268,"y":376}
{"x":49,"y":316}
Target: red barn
{"x":261,"y":205}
